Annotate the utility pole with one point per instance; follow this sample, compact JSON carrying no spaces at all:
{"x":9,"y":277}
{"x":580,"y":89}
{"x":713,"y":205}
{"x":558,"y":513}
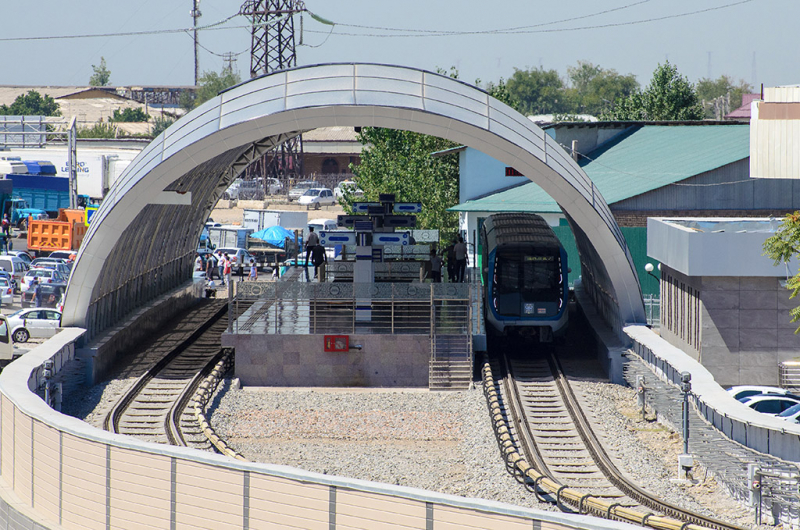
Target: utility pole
{"x":272,"y":48}
{"x":195,"y":12}
{"x":229,"y":61}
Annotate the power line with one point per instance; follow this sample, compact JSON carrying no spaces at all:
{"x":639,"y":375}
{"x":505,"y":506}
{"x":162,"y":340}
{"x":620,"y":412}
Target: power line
{"x":590,"y":15}
{"x":512,"y":31}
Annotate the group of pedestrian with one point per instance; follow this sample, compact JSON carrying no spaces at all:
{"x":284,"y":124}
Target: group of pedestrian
{"x":222,"y":264}
{"x":456,"y":256}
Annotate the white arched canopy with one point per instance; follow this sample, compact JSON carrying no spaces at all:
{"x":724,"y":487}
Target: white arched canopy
{"x":142,"y":240}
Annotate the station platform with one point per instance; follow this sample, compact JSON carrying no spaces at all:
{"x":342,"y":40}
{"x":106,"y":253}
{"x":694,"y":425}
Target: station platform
{"x":338,"y":334}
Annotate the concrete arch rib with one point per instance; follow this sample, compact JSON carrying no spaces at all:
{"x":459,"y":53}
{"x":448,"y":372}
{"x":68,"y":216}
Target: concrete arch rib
{"x":196,"y":153}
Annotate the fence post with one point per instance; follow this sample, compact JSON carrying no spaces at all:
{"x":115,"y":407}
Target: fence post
{"x":392,"y":305}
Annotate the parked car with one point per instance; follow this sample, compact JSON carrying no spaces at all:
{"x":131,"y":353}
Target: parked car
{"x":10,"y":277}
{"x":323,"y":224}
{"x":743,"y":391}
{"x":63,"y":254}
{"x":273,"y":186}
{"x":33,"y":322}
{"x":43,"y":275}
{"x":300,"y":188}
{"x":52,"y":293}
{"x":232,"y":192}
{"x":251,"y":190}
{"x":351,"y":186}
{"x":770,"y":403}
{"x":56,"y":264}
{"x":6,"y":291}
{"x":792,"y":414}
{"x":15,"y":266}
{"x":240,"y":259}
{"x":317,"y":197}
{"x":21,"y":254}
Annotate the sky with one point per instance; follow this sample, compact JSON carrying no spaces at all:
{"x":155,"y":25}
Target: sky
{"x":753,"y":40}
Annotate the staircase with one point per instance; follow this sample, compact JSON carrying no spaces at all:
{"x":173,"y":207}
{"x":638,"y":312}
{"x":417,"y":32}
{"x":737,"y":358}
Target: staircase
{"x":451,"y":362}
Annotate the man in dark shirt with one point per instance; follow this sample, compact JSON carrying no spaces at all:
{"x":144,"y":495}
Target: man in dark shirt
{"x":318,"y":258}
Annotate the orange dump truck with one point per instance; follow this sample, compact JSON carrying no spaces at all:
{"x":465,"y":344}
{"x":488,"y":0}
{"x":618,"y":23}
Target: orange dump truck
{"x":64,"y":233}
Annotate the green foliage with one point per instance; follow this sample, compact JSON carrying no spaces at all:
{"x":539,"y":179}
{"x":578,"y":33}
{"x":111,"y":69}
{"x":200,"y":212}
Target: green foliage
{"x":399,"y":162}
{"x":130,"y":115}
{"x":101,"y":75}
{"x":710,"y":89}
{"x":212,"y":83}
{"x":669,"y":96}
{"x":99,"y":130}
{"x":538,"y":91}
{"x":593,"y":89}
{"x":161,"y":124}
{"x":781,"y":248}
{"x":31,"y":104}
{"x":500,"y":92}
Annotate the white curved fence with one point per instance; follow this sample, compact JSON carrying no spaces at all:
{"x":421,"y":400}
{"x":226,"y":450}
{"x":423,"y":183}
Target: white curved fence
{"x":60,"y":472}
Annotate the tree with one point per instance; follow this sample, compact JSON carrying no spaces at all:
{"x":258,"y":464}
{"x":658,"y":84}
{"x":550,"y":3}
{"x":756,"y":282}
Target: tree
{"x":709,"y":90}
{"x":31,"y":104}
{"x":99,"y":130}
{"x":161,"y":124}
{"x":668,"y":97}
{"x":538,"y":91}
{"x":594,"y":88}
{"x":101,"y":75}
{"x":400,"y":162}
{"x":212,"y":83}
{"x":500,"y":92}
{"x":129,"y":115}
{"x":781,"y":248}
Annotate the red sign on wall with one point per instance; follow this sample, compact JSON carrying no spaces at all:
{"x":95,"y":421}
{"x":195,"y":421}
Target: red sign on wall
{"x":334,"y":343}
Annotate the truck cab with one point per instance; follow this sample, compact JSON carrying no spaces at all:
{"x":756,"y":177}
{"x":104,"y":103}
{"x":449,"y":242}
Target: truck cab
{"x":18,"y":212}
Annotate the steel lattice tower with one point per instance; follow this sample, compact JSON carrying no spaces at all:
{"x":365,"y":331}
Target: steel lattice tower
{"x":272,"y":47}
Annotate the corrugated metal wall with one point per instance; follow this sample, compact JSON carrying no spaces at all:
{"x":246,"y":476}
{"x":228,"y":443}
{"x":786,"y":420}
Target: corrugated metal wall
{"x":726,"y":188}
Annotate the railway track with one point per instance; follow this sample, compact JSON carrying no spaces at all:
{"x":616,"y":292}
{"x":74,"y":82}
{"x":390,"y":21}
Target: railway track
{"x":154,"y":407}
{"x":549,"y":445}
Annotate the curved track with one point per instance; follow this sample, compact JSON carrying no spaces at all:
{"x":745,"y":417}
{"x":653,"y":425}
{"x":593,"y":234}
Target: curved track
{"x":549,"y":445}
{"x":154,"y":406}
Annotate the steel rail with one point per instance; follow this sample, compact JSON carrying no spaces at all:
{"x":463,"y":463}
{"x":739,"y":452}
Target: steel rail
{"x":112,"y":420}
{"x":588,"y":503}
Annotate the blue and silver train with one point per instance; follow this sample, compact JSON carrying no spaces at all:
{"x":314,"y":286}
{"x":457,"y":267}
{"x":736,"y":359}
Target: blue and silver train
{"x":524,"y":268}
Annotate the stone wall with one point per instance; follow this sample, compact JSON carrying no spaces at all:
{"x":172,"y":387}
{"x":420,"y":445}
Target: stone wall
{"x":300,"y":360}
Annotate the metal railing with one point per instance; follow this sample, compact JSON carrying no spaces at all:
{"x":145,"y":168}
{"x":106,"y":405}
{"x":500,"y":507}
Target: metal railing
{"x":367,"y":308}
{"x":652,"y":308}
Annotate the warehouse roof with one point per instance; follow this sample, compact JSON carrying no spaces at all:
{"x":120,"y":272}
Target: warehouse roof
{"x":639,"y":160}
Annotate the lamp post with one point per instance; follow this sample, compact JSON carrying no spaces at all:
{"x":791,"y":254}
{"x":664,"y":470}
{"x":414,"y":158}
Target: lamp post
{"x":649,"y":269}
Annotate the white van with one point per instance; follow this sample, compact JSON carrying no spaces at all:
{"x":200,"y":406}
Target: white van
{"x":323,"y":224}
{"x":14,"y":266}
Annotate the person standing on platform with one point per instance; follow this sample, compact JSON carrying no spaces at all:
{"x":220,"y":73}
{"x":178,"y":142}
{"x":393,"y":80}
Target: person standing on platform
{"x":210,"y":265}
{"x":253,"y":271}
{"x":460,"y":250}
{"x":319,"y":258}
{"x":198,"y":263}
{"x":313,"y":241}
{"x":221,"y":265}
{"x":226,"y":260}
{"x":450,"y":255}
{"x":436,"y":267}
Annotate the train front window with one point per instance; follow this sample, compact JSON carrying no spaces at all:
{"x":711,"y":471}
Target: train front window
{"x":536,"y":276}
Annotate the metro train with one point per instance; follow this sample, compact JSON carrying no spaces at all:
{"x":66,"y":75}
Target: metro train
{"x":524,"y":269}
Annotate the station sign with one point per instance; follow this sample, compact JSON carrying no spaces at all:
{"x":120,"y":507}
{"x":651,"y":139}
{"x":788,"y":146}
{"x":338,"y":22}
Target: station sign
{"x":363,"y":207}
{"x":400,"y":221}
{"x":407,"y":207}
{"x":390,"y":238}
{"x":337,"y":237}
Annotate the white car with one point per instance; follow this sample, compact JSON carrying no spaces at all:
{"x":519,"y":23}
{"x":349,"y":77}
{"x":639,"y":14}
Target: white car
{"x":744,"y":391}
{"x":792,"y":414}
{"x":34,"y":322}
{"x":351,"y":186}
{"x":240,"y":259}
{"x":44,"y":276}
{"x":770,"y":403}
{"x":6,"y":291}
{"x":317,"y":197}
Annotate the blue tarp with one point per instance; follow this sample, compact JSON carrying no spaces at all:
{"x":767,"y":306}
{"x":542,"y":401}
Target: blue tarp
{"x":274,"y":235}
